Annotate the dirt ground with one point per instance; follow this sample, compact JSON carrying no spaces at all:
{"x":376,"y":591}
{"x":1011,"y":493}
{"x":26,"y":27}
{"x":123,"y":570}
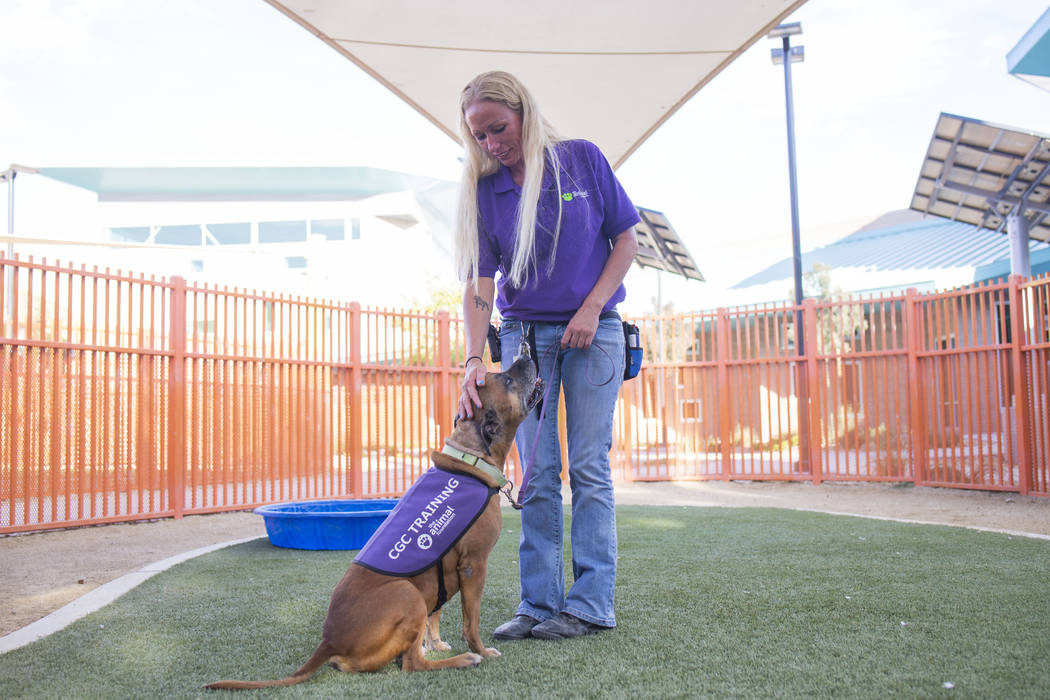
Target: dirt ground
{"x":41,"y":572}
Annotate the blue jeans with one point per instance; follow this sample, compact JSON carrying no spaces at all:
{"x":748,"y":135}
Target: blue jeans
{"x":591,"y":380}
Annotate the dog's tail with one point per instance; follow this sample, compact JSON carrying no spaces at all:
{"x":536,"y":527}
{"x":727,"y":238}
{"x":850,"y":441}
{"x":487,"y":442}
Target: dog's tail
{"x":320,"y":656}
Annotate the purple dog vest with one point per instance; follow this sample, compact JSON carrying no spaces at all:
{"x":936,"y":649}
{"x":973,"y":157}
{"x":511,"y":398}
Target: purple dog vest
{"x":428,"y":520}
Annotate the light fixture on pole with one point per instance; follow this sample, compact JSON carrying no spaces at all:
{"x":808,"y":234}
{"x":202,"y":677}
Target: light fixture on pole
{"x":785,"y":56}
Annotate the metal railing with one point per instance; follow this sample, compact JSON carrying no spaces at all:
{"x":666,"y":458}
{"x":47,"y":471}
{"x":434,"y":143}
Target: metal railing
{"x":124,"y":397}
{"x":944,"y":389}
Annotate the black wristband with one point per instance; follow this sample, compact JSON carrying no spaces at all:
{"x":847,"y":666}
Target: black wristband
{"x":472,"y":357}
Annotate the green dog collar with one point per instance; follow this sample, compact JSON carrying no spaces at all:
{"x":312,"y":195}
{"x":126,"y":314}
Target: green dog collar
{"x":476,"y":461}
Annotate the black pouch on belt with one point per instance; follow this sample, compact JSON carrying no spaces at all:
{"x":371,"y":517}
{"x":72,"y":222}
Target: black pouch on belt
{"x":495,"y":351}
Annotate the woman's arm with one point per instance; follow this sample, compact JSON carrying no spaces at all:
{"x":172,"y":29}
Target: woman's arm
{"x":584,"y":324}
{"x":477,"y":313}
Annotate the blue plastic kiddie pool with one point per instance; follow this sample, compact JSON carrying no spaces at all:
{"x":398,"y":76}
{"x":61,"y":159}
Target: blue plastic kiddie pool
{"x":337,"y":524}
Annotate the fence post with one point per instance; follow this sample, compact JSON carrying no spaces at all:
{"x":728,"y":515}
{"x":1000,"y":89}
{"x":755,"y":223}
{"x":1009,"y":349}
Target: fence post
{"x":1018,"y":336}
{"x":355,"y":438}
{"x":811,"y":439}
{"x":177,"y":399}
{"x":626,"y":401}
{"x":725,"y":428}
{"x":917,"y":389}
{"x":143,"y":456}
{"x":444,"y":398}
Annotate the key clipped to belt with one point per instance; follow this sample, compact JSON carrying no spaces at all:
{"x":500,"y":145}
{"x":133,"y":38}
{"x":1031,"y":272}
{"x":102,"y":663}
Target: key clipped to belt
{"x":523,"y":349}
{"x":496,"y":351}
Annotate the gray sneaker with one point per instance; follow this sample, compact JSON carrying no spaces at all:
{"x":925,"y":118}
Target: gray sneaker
{"x":564,"y":626}
{"x":518,"y":628}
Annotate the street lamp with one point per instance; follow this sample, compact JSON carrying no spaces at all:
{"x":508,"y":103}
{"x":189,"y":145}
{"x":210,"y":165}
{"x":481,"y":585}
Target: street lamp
{"x":785,"y":56}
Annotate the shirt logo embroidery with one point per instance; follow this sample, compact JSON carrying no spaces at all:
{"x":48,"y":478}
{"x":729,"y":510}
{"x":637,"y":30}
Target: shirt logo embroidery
{"x":569,"y":196}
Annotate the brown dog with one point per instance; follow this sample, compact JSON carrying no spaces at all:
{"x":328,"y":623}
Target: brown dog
{"x":374,"y":618}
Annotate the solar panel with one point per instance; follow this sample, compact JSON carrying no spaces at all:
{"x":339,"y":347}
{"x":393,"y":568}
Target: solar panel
{"x":981,"y":173}
{"x":660,"y":247}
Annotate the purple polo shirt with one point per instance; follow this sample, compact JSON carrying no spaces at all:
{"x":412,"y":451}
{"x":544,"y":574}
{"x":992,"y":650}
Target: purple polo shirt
{"x":595,"y":209}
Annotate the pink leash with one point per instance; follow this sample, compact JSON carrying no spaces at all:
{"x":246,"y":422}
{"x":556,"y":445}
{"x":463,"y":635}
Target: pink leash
{"x":516,"y":502}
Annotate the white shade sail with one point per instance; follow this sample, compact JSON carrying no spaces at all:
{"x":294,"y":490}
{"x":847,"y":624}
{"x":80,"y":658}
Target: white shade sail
{"x":610,"y":71}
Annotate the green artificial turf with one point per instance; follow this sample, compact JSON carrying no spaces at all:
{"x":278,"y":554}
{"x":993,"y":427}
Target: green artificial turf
{"x":711,"y":602}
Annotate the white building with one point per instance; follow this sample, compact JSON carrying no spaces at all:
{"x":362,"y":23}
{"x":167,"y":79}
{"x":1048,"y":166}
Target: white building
{"x":350,"y":234}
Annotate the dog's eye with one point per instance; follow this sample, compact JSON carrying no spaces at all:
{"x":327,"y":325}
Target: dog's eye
{"x":507,"y":381}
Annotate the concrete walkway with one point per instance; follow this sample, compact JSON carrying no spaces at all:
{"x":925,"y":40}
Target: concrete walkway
{"x":100,"y":597}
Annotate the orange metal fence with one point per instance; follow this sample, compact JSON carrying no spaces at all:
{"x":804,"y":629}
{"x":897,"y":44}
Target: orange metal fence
{"x":946,"y":389}
{"x":124,"y":397}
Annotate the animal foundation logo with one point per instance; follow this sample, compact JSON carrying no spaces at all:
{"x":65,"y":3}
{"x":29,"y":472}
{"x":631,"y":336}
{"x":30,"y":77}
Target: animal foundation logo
{"x":569,"y":196}
{"x":432,"y":515}
{"x":425,"y":540}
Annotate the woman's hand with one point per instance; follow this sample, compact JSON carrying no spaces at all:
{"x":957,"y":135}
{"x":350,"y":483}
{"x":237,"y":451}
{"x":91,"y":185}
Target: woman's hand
{"x":584,"y":324}
{"x":581,"y":329}
{"x":468,"y":397}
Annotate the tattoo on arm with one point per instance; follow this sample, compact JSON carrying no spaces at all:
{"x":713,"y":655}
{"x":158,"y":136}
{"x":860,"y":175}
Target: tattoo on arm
{"x":480,"y":303}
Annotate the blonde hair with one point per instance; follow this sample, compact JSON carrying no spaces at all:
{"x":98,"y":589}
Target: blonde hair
{"x":538,"y":140}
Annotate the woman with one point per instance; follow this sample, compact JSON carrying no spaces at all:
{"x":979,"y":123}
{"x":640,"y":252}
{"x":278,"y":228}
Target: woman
{"x":548,"y":215}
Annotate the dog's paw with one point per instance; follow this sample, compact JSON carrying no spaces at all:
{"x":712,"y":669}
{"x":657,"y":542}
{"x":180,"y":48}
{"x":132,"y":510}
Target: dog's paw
{"x":489,"y":652}
{"x":475,"y":659}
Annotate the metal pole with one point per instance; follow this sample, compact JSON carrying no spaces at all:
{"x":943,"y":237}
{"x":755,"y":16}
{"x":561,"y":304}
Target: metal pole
{"x":1017,"y":228}
{"x":801,"y":390}
{"x":796,"y":245}
{"x":9,"y":175}
{"x":660,"y":310}
{"x":663,"y":372}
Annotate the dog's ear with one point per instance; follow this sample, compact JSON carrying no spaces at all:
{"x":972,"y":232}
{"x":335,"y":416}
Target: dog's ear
{"x":491,"y":428}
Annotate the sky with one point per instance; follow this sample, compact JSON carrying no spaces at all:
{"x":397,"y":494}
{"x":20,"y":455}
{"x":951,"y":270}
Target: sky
{"x":234,"y":82}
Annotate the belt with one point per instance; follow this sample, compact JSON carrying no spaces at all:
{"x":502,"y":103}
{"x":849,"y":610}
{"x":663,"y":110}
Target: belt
{"x":611,"y":313}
